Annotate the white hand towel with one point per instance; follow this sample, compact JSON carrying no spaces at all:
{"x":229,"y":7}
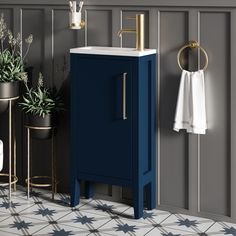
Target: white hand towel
{"x":191,"y":109}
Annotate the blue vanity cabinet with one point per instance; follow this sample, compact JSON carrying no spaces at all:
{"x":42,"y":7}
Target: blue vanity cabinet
{"x":113,"y":125}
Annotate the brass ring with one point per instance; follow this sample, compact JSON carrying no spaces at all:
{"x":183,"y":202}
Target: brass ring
{"x":39,"y":127}
{"x":14,"y":179}
{"x":31,"y":183}
{"x":9,"y":99}
{"x":192,"y":44}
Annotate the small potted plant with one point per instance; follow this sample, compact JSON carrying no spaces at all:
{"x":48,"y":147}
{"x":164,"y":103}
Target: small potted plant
{"x":11,"y":63}
{"x":40,"y":105}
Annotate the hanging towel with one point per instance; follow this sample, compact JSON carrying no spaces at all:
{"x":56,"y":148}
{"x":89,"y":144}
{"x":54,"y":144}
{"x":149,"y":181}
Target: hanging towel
{"x":191,"y":109}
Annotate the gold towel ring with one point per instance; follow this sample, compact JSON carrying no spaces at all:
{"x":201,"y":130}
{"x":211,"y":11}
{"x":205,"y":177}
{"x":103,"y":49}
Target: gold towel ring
{"x":192,"y":44}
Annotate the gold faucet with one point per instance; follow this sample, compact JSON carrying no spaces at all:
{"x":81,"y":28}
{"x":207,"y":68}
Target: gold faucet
{"x":139,"y":31}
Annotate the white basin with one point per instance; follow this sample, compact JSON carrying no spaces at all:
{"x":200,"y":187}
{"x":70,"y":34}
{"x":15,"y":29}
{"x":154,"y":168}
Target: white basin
{"x":113,"y":51}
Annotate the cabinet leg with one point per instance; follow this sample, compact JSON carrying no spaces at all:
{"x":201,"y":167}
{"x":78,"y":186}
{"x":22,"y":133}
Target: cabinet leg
{"x":151,"y":196}
{"x":138,"y":202}
{"x":89,"y":189}
{"x":75,"y":193}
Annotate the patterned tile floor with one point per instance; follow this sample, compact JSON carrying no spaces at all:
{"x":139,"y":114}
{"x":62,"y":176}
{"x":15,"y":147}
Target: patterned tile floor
{"x":41,"y":216}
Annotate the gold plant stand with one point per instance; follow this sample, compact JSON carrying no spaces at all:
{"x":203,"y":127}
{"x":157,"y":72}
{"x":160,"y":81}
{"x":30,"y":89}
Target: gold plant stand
{"x":52,"y":179}
{"x":11,"y":130}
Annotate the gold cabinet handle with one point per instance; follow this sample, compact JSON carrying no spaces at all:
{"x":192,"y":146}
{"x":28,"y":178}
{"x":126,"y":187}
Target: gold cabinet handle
{"x":124,"y":96}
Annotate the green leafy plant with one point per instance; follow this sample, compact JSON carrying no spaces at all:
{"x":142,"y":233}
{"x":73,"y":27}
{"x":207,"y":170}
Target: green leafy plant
{"x":11,"y":67}
{"x":11,"y":59}
{"x":40,"y":101}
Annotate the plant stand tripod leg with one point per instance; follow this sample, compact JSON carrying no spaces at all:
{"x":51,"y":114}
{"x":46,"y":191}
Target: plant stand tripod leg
{"x":14,"y":149}
{"x":28,"y":163}
{"x":53,"y":166}
{"x":31,"y":162}
{"x":10,"y":146}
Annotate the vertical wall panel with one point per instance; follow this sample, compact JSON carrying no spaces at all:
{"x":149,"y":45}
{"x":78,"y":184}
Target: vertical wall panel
{"x":173,"y":145}
{"x":215,"y":145}
{"x":233,"y":116}
{"x":32,"y":23}
{"x":99,"y":28}
{"x":8,"y":16}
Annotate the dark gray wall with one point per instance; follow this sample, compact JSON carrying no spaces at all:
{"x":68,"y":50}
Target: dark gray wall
{"x":196,"y":174}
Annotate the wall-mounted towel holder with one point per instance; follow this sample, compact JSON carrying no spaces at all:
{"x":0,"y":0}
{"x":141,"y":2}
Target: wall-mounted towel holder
{"x":192,"y":45}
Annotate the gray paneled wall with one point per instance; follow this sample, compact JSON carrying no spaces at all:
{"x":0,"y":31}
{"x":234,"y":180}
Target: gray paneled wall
{"x":215,"y":146}
{"x":195,"y":174}
{"x":173,"y":146}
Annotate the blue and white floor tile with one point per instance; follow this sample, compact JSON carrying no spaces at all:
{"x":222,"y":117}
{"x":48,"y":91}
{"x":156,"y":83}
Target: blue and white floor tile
{"x":149,"y":217}
{"x":84,"y":220}
{"x":103,"y":207}
{"x":40,"y":216}
{"x":187,"y":223}
{"x":222,"y":228}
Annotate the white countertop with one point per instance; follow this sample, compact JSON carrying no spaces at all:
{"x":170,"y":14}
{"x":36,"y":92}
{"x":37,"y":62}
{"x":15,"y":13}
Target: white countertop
{"x":113,"y":51}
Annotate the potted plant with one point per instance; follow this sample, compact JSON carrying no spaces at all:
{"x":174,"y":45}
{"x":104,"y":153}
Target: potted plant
{"x":40,"y":105}
{"x":11,"y":63}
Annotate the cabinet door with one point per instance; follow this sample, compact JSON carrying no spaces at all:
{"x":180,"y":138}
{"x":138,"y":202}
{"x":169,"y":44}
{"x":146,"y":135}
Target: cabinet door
{"x":100,"y":97}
